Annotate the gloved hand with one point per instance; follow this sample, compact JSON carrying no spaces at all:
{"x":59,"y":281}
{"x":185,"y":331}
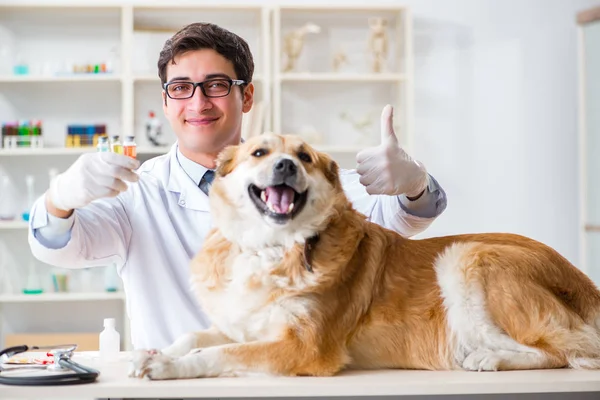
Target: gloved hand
{"x":387,"y":168}
{"x":93,"y":176}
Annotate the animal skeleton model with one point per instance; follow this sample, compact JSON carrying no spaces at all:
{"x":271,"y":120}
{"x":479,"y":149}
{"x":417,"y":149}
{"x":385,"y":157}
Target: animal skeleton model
{"x":293,"y":43}
{"x":378,"y":42}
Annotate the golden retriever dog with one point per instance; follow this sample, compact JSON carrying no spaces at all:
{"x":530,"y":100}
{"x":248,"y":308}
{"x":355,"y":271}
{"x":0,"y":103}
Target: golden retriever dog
{"x":297,"y":282}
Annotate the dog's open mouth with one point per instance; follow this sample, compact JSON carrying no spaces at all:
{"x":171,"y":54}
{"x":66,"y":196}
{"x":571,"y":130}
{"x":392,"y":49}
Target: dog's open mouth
{"x":279,"y":202}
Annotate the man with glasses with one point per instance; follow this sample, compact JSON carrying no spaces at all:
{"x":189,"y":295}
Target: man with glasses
{"x":151,"y":223}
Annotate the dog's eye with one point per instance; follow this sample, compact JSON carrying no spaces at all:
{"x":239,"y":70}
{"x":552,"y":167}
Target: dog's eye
{"x":259,"y":153}
{"x":304,"y":157}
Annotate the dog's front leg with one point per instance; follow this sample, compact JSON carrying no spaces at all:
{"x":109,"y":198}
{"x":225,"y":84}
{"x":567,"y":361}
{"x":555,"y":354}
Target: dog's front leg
{"x":275,"y":358}
{"x":196,"y":340}
{"x":185,"y":344}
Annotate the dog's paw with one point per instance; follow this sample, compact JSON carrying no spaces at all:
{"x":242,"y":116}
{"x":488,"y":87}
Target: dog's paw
{"x":482,"y":360}
{"x":141,"y":359}
{"x":161,"y":367}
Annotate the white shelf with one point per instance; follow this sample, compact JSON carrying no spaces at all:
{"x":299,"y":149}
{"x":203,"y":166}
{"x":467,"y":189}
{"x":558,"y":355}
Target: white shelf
{"x":61,"y":297}
{"x":341,"y":7}
{"x":60,"y":78}
{"x":154,"y":78}
{"x":340,"y":77}
{"x":64,"y":151}
{"x":11,"y":225}
{"x":332,"y":149}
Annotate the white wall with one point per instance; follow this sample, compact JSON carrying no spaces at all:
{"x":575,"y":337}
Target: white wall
{"x":496,"y":98}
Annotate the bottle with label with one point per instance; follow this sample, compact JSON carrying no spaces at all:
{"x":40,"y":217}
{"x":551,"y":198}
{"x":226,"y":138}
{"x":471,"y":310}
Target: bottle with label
{"x":110,"y":342}
{"x":153,"y":129}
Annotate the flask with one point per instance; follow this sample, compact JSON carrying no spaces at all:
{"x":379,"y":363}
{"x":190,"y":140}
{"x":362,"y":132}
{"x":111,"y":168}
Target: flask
{"x":110,"y":342}
{"x":9,"y":199}
{"x":29,"y":181}
{"x":129,"y":147}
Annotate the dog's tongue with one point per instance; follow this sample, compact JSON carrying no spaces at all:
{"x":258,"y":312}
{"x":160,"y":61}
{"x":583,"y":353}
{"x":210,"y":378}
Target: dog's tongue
{"x":280,"y":197}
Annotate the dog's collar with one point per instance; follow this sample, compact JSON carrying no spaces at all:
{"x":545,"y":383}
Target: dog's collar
{"x":309,"y":245}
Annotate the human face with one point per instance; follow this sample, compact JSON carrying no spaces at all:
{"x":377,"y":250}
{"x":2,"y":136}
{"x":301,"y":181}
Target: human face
{"x":205,"y":125}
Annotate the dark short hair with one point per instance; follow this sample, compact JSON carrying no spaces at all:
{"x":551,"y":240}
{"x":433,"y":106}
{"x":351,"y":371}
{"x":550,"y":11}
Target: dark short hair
{"x":200,"y":35}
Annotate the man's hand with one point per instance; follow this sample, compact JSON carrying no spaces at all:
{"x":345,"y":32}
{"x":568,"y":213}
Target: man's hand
{"x":93,"y":176}
{"x":387,"y":168}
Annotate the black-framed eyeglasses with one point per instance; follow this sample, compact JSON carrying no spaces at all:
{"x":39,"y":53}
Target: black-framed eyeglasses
{"x":216,"y":87}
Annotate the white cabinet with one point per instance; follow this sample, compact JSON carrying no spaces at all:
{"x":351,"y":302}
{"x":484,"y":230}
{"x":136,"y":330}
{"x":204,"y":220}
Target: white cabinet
{"x":341,"y":104}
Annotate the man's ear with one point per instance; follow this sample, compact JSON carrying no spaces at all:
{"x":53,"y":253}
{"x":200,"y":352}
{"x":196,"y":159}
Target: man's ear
{"x":248,"y":97}
{"x":226,"y":160}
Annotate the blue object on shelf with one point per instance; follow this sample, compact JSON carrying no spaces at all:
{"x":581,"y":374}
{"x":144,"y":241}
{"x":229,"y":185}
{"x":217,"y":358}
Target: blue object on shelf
{"x":22,"y":69}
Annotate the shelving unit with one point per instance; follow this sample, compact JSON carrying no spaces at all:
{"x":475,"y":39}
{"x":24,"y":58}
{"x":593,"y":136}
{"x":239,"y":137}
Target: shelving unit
{"x":129,"y":37}
{"x":76,"y":151}
{"x":61,"y":297}
{"x":352,"y":95}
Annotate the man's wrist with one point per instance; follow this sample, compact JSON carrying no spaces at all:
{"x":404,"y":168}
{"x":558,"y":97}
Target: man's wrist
{"x":53,"y":210}
{"x":417,"y":197}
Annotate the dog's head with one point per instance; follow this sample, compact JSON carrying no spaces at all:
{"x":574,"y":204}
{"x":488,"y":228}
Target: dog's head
{"x":273,"y":189}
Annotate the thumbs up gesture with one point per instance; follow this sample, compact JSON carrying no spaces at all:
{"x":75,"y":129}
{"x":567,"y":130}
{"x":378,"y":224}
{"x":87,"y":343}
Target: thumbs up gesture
{"x":387,"y":168}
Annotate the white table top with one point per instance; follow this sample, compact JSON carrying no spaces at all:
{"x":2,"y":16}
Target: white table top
{"x":114,"y":382}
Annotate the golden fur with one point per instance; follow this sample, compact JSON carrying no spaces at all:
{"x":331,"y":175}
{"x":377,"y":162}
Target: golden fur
{"x":378,"y":300}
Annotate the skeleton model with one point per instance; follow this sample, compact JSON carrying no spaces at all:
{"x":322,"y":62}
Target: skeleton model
{"x":339,"y":58}
{"x":378,"y":42}
{"x":293,"y":43}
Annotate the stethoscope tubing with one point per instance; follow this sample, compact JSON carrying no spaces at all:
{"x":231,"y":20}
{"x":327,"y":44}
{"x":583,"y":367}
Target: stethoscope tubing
{"x":81,"y":374}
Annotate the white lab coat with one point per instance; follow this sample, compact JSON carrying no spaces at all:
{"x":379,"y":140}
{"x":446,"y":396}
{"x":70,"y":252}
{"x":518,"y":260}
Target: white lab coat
{"x":152,"y":230}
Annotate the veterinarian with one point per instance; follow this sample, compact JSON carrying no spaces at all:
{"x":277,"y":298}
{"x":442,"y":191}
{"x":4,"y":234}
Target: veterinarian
{"x":152,"y":221}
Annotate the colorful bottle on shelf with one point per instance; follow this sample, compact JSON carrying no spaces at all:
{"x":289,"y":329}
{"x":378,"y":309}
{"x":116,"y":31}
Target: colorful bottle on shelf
{"x":130,"y":147}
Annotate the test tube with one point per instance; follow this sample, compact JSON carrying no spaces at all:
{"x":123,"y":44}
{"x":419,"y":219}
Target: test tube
{"x":103,"y":146}
{"x":115,"y":145}
{"x":130,"y":147}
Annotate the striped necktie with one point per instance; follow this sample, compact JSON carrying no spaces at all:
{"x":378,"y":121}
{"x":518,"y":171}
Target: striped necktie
{"x":206,"y":180}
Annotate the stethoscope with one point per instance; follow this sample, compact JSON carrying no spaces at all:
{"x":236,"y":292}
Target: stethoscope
{"x":62,"y":362}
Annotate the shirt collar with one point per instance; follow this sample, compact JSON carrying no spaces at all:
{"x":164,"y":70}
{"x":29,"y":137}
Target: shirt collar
{"x":194,"y":170}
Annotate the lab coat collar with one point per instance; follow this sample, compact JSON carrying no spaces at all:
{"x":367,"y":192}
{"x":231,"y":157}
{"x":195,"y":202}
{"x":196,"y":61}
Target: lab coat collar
{"x":190,"y":195}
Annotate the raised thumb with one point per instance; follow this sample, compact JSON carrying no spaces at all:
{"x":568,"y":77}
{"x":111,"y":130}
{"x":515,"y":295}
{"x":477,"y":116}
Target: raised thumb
{"x":387,"y":125}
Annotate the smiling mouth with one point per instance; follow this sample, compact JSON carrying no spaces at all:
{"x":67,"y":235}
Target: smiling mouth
{"x":279,"y":202}
{"x":202,"y":121}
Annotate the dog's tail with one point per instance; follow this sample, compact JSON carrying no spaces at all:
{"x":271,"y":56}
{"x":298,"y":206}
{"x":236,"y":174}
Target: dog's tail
{"x":582,"y":343}
{"x":583,"y":349}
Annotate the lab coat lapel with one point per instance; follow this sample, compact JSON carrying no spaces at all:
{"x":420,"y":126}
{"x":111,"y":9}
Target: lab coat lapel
{"x":190,"y":195}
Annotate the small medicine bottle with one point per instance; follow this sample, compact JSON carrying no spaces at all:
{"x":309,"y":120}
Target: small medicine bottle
{"x":129,"y":147}
{"x":110,"y":342}
{"x":115,"y":145}
{"x":103,"y":146}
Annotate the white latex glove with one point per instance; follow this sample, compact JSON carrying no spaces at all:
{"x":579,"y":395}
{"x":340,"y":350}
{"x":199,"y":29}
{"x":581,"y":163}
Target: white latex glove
{"x":387,"y":168}
{"x":93,"y":176}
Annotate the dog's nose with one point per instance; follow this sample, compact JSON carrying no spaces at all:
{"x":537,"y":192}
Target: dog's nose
{"x":285,"y":168}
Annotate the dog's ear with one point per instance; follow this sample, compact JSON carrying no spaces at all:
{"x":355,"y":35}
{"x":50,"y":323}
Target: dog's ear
{"x":225,"y":159}
{"x":330,"y":169}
